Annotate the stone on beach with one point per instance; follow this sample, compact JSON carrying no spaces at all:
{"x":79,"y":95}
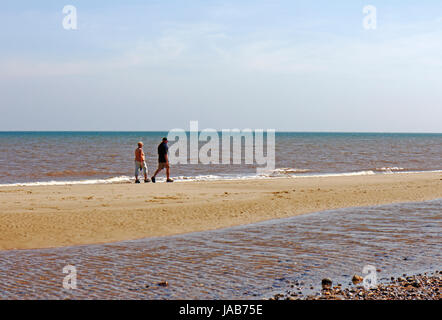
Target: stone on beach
{"x":357,"y":279}
{"x":163,"y":284}
{"x":417,"y":287}
{"x":326,"y":283}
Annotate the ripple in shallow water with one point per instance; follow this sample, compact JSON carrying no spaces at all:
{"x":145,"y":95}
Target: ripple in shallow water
{"x":245,"y":262}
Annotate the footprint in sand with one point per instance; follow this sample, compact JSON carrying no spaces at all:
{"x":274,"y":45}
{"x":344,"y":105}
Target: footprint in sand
{"x":167,"y":198}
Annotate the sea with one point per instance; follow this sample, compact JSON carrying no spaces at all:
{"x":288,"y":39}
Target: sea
{"x":45,"y":158}
{"x":252,"y":261}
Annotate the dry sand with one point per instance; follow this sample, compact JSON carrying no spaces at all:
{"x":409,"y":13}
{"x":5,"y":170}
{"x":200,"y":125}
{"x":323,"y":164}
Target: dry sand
{"x":53,"y":216}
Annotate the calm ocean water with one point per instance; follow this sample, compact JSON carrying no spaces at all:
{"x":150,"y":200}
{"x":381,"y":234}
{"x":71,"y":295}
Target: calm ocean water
{"x":89,"y":157}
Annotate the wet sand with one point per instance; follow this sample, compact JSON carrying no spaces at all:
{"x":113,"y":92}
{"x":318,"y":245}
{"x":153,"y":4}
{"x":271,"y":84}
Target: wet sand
{"x":254,"y":261}
{"x":54,"y":216}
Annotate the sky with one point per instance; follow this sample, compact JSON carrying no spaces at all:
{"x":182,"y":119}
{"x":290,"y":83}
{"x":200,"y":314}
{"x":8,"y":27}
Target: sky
{"x":281,"y":64}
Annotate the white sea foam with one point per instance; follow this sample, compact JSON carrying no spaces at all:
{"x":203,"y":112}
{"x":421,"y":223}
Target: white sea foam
{"x":288,"y":171}
{"x":293,"y":173}
{"x":120,"y":179}
{"x":343,"y":174}
{"x":390,"y":169}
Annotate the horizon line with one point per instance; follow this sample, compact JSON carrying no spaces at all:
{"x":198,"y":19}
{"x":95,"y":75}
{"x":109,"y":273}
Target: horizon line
{"x":162,"y":131}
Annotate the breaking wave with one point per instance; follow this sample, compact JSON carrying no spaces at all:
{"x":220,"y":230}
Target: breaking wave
{"x":274,"y":174}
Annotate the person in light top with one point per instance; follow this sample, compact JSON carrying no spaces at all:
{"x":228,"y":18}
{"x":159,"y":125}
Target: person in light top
{"x":140,"y":163}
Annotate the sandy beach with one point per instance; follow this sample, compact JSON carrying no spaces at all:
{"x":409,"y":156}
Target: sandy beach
{"x":54,"y":216}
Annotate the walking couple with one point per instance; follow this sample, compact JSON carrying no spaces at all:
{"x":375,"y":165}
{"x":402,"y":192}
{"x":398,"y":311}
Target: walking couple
{"x":163,"y":162}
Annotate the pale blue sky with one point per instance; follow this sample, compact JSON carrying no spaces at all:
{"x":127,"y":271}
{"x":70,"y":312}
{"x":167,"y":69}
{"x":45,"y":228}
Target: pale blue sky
{"x":156,"y":65}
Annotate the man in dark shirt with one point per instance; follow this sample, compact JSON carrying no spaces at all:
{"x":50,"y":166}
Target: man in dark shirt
{"x":163,"y":160}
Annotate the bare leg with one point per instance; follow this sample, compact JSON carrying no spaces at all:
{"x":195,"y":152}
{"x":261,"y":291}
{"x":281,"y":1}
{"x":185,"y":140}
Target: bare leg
{"x":168,"y":172}
{"x":145,"y":172}
{"x":136,"y":173}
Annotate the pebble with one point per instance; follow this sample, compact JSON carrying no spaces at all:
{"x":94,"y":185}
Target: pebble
{"x":163,"y":283}
{"x":417,"y":287}
{"x":356,"y":279}
{"x":326,"y":283}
